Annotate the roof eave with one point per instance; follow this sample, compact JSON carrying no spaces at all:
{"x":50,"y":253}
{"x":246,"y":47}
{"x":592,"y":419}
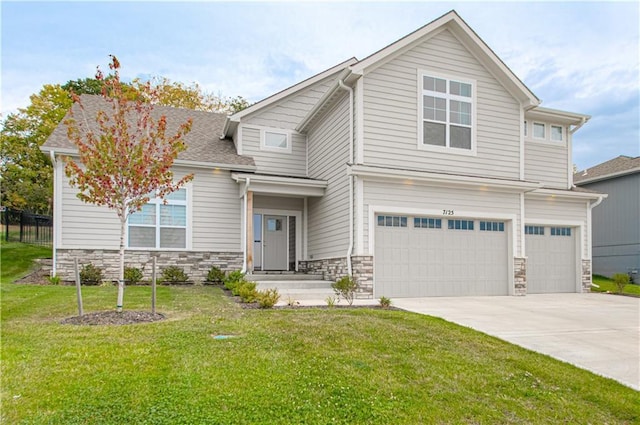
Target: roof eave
{"x":608,"y":176}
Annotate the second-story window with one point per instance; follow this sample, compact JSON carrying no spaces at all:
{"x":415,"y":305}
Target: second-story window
{"x":447,"y":112}
{"x":275,"y":140}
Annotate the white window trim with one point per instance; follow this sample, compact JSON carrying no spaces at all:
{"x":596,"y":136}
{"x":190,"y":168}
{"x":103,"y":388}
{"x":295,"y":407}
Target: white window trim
{"x":158,"y":202}
{"x":287,"y":134}
{"x":533,"y":130}
{"x":547,"y":134}
{"x":474,"y":108}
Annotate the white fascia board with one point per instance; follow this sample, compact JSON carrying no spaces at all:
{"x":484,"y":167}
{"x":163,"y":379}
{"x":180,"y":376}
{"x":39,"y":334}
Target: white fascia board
{"x":556,"y":115}
{"x":557,"y":193}
{"x":197,"y":164}
{"x":277,"y":185}
{"x":448,"y":179}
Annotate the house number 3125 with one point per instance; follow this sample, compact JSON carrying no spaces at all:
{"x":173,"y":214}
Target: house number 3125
{"x":447,"y":212}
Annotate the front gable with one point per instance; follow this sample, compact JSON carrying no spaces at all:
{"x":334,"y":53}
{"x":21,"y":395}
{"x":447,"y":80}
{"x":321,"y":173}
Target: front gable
{"x":394,"y":121}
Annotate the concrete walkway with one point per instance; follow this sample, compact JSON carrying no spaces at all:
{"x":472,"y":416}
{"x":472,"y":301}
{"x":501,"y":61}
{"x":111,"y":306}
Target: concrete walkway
{"x":597,"y":332}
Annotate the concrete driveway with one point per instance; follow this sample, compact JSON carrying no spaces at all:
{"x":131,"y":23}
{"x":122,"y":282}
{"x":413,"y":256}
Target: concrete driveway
{"x":597,"y":332}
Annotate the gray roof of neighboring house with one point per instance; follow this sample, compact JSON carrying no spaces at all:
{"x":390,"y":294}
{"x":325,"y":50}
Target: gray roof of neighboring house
{"x":203,"y":141}
{"x":615,"y":167}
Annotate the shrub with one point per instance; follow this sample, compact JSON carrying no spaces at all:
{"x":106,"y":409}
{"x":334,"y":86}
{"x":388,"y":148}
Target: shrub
{"x":247,"y":291}
{"x":54,"y":280}
{"x":620,"y":280}
{"x":385,"y":302}
{"x":132,"y":275}
{"x":232,"y":280}
{"x":173,"y":274}
{"x":268,"y":298}
{"x":345,"y":288}
{"x":331,"y":302}
{"x":91,"y":275}
{"x":215,"y":275}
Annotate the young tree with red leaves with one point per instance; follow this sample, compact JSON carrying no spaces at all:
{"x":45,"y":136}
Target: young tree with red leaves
{"x":125,"y":155}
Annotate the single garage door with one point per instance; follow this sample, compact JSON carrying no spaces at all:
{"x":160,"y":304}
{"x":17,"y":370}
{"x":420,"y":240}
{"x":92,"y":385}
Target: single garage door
{"x":430,"y":256}
{"x":551,"y":259}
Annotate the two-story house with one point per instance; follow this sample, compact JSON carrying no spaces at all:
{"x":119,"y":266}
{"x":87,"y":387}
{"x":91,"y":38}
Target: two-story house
{"x":425,"y":169}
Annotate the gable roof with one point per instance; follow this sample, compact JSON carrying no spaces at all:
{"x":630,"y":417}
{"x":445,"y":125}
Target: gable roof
{"x":616,"y":167}
{"x":204,"y":146}
{"x":232,"y":120}
{"x":468,"y":37}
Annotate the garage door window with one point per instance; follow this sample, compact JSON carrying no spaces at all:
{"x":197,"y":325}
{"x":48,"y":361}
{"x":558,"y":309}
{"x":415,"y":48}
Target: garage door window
{"x":392,"y":221}
{"x":492,"y":226}
{"x":460,"y":224}
{"x":533,"y":230}
{"x":561,"y":231}
{"x":427,"y":223}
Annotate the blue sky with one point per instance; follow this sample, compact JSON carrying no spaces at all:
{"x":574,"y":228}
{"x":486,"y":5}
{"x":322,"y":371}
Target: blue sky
{"x":576,"y":56}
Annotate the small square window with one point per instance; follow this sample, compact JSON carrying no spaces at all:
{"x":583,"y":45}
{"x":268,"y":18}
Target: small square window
{"x":556,"y":133}
{"x":539,"y":130}
{"x":276,"y":140}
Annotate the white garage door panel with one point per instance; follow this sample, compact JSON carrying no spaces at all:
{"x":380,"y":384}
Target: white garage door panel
{"x":418,"y":262}
{"x":551,"y":263}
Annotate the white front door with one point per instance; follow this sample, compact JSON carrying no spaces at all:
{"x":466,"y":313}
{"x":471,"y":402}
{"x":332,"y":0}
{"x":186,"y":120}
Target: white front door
{"x":275,"y":242}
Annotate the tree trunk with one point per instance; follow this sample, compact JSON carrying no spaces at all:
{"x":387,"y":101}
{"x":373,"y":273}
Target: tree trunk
{"x":123,"y":228}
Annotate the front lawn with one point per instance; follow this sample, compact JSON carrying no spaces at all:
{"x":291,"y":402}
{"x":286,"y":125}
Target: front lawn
{"x":606,"y":285}
{"x":311,"y":366}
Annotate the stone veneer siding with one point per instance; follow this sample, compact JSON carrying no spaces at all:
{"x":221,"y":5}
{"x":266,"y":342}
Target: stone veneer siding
{"x":335,"y":268}
{"x":586,"y":275}
{"x":196,"y":264}
{"x":520,"y":276}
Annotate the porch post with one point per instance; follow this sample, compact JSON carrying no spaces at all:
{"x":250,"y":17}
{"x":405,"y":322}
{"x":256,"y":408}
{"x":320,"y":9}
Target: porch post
{"x":250,"y":239}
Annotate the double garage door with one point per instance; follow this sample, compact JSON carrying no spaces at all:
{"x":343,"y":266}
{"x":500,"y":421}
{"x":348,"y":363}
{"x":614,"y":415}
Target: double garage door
{"x":430,"y":256}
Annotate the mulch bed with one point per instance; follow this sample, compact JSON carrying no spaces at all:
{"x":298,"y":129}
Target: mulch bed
{"x":114,"y":318}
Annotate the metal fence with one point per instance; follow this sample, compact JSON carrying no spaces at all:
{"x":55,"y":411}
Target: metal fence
{"x":23,"y":226}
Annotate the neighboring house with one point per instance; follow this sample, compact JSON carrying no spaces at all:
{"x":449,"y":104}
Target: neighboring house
{"x":425,"y":169}
{"x":616,"y":223}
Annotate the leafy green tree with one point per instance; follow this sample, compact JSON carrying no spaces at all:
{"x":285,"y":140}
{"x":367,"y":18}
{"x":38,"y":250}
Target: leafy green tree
{"x":25,"y":172}
{"x":125,"y":154}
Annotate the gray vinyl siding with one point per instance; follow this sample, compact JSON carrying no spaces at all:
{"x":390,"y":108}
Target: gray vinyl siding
{"x":215,"y":214}
{"x":417,"y":197}
{"x":616,"y":226}
{"x":273,"y":162}
{"x":277,"y":203}
{"x":288,"y":112}
{"x":328,"y":218}
{"x":546,"y":163}
{"x":554,"y":209}
{"x":391,"y":114}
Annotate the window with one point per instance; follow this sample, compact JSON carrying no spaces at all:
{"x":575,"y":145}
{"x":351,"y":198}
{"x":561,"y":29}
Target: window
{"x":539,"y":130}
{"x":160,"y":225}
{"x":392,"y":221}
{"x":427,"y":223}
{"x":533,"y":230}
{"x":447,"y":113}
{"x":561,"y":231}
{"x":460,"y":224}
{"x":275,"y":140}
{"x":556,"y":133}
{"x":492,"y":226}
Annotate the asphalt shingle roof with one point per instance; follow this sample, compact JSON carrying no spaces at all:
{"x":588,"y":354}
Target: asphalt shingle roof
{"x":203,"y":141}
{"x":612,"y":167}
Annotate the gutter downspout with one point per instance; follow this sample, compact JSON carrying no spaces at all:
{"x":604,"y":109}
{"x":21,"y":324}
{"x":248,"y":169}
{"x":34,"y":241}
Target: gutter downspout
{"x":244,"y":230}
{"x":54,"y":233}
{"x":592,"y":205}
{"x":351,"y":177}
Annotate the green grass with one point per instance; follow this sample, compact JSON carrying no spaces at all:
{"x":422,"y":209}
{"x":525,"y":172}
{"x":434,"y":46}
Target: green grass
{"x":16,"y":259}
{"x":606,"y":285}
{"x":309,"y":366}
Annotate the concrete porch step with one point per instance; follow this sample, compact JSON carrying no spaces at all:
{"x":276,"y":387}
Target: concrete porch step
{"x":292,"y":284}
{"x":282,"y":276}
